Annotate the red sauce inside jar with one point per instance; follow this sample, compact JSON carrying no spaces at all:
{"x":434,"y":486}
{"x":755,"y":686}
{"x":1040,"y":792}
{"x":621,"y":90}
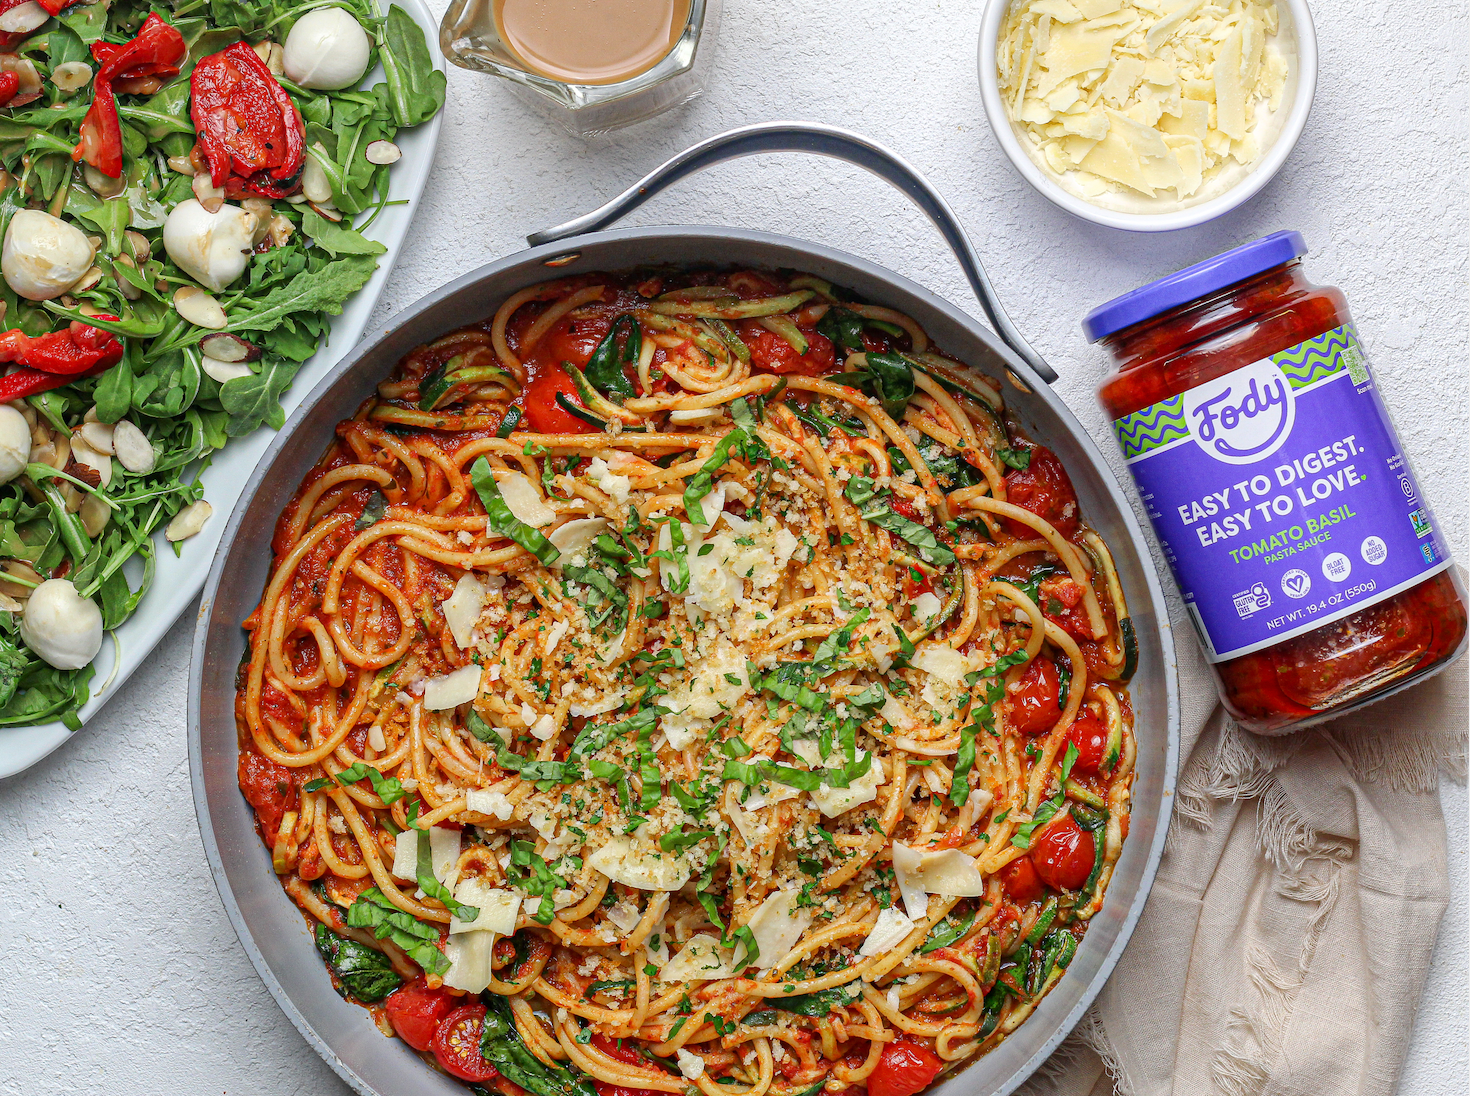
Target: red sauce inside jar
{"x":1348,"y":661}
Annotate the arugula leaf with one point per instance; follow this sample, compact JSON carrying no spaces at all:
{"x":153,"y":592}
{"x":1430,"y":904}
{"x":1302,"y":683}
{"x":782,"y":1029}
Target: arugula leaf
{"x":362,"y":972}
{"x":821,"y":1002}
{"x":322,"y":291}
{"x":337,"y":239}
{"x":256,"y":400}
{"x":503,"y":521}
{"x":418,"y":940}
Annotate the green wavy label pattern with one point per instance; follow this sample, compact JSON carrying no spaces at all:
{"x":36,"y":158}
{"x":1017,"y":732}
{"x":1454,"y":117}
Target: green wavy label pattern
{"x":1144,"y":431}
{"x":1318,"y":358}
{"x":1305,"y":364}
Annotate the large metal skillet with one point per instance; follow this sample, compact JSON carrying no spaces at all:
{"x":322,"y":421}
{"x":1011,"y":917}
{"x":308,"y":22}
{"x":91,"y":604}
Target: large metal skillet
{"x":270,"y":926}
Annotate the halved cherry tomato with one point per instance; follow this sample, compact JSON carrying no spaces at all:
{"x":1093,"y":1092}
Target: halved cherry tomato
{"x":614,"y":1048}
{"x":1063,"y":854}
{"x":1033,"y":704}
{"x":1021,"y":881}
{"x":1044,"y":488}
{"x":544,"y":414}
{"x":457,"y":1044}
{"x":916,"y":583}
{"x":573,"y":340}
{"x":1090,"y":735}
{"x":906,"y":1066}
{"x":1061,"y":602}
{"x":416,"y":1011}
{"x":771,"y":353}
{"x":903,"y":506}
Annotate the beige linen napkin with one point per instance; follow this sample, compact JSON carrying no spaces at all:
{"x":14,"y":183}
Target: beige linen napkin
{"x":1286,"y":941}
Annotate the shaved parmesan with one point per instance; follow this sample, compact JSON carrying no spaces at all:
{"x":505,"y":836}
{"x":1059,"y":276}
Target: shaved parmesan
{"x":691,"y":1065}
{"x":469,"y":955}
{"x":701,"y":959}
{"x":498,"y":908}
{"x":443,"y":852}
{"x":1230,"y":89}
{"x":524,"y":500}
{"x":890,"y":930}
{"x":573,"y":539}
{"x":948,"y":873}
{"x":943,"y":662}
{"x":926,"y":606}
{"x":639,"y":865}
{"x":452,"y":690}
{"x":776,"y":925}
{"x":462,"y":609}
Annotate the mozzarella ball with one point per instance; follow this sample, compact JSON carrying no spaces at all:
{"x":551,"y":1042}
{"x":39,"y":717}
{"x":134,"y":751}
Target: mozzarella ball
{"x":15,"y":443}
{"x":61,"y":626}
{"x":43,"y":256}
{"x":327,"y":49}
{"x":213,"y":248}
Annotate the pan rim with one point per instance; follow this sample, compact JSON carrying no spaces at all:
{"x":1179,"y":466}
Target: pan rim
{"x":712,"y":235}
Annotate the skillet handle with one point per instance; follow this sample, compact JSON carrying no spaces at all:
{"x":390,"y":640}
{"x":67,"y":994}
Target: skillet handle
{"x":823,"y":140}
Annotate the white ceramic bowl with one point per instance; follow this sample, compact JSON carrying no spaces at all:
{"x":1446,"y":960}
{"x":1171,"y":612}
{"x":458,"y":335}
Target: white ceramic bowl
{"x":1301,"y":84}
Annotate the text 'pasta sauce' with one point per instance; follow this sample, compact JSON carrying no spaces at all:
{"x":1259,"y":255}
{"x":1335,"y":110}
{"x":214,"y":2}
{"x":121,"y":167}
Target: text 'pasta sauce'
{"x":591,"y":41}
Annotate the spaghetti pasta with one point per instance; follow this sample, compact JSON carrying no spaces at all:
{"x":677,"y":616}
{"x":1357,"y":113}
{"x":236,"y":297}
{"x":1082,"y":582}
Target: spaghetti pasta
{"x":690,"y":681}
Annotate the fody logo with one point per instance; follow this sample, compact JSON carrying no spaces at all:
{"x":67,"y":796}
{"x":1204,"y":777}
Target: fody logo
{"x":1244,"y":416}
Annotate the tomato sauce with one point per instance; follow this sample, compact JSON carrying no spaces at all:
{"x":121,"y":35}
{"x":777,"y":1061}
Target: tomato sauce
{"x":1251,"y":325}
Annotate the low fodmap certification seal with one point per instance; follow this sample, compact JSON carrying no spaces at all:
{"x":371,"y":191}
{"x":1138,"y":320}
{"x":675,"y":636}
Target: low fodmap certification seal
{"x":1280,"y":496}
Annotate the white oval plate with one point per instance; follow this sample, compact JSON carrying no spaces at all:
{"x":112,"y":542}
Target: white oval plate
{"x":178,"y":580}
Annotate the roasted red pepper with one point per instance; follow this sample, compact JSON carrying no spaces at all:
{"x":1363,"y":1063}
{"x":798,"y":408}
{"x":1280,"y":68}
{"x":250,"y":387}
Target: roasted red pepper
{"x":73,"y":351}
{"x":248,"y":128}
{"x":9,"y":85}
{"x":157,"y":51}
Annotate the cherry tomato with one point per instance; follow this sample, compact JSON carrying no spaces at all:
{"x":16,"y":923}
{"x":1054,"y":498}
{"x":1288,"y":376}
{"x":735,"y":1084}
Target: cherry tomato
{"x":457,"y":1044}
{"x":1090,"y":735}
{"x":614,"y":1048}
{"x":1033,"y":704}
{"x":906,"y":1066}
{"x":1044,"y":488}
{"x":1021,"y":881}
{"x":268,"y":788}
{"x":573,"y":340}
{"x":906,"y":508}
{"x":1061,"y":602}
{"x":771,"y":353}
{"x":1063,"y":854}
{"x":416,"y":1011}
{"x":544,"y":414}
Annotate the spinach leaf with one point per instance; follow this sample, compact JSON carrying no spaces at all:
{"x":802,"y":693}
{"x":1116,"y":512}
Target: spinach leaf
{"x":502,"y":1047}
{"x":503,"y":521}
{"x":891,"y":379}
{"x":844,"y":328}
{"x":606,"y":369}
{"x":362,"y":972}
{"x":415,"y":87}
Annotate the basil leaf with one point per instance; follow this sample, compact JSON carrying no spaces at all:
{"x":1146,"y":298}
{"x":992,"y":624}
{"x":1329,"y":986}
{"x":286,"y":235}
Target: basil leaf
{"x":373,"y":911}
{"x":821,"y":1002}
{"x":502,"y":520}
{"x":1019,"y":459}
{"x":501,"y":1046}
{"x":930,"y":548}
{"x":946,"y":932}
{"x":703,"y":481}
{"x":372,"y":513}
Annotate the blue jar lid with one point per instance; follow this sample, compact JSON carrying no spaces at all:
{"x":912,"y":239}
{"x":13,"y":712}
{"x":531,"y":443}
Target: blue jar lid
{"x":1193,"y":282}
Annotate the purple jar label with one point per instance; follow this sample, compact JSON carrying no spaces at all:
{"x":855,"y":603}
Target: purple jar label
{"x":1281,"y":496}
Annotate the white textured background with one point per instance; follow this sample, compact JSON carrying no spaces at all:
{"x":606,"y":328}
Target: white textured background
{"x":122,"y":974}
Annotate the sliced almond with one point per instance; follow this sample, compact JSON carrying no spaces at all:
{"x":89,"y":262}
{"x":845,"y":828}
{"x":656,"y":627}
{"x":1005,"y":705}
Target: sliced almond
{"x":181,"y":164}
{"x":314,"y":182}
{"x":95,"y":515}
{"x":88,"y":280}
{"x":261,"y":207}
{"x":328,"y":210}
{"x":23,"y":18}
{"x":84,"y":453}
{"x":211,"y":197}
{"x":281,"y":228}
{"x":125,"y":287}
{"x":223,"y":371}
{"x":229,"y":348}
{"x":98,"y":435}
{"x":382,"y":152}
{"x":138,"y":246}
{"x":134,"y":451}
{"x":71,"y":75}
{"x":18,"y":569}
{"x":189,"y":521}
{"x":199,"y":308}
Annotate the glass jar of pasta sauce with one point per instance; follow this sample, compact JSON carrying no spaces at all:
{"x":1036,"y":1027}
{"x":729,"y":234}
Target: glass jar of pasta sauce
{"x":1308,"y":559}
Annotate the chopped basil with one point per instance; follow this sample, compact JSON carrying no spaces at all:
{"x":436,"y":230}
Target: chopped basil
{"x":431,"y":886}
{"x":502,"y":520}
{"x":419,"y":941}
{"x":606,"y":369}
{"x":820,"y":1003}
